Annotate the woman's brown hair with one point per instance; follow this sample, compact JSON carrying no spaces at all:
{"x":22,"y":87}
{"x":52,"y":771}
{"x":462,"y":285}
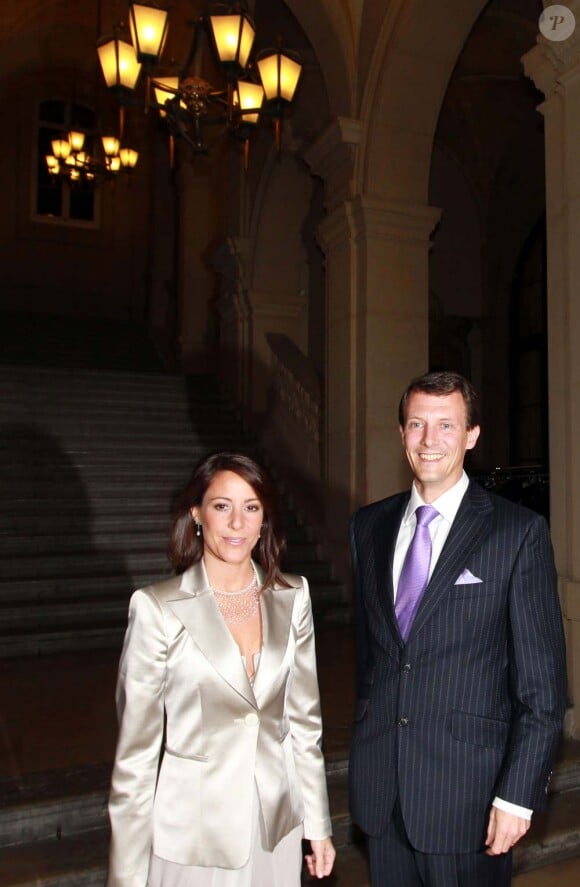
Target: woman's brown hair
{"x":186,"y":547}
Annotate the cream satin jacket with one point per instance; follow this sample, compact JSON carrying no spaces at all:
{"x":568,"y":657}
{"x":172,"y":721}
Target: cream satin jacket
{"x":183,"y":697}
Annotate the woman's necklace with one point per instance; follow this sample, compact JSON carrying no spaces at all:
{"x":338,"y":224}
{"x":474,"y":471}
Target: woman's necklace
{"x":238,"y":606}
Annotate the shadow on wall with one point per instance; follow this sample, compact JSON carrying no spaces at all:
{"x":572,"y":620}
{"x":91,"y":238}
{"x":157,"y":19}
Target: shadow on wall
{"x":54,"y":576}
{"x":59,"y":590}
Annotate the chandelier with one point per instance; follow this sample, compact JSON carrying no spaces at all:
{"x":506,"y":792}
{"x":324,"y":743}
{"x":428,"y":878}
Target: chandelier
{"x":72,"y":163}
{"x":255,"y":88}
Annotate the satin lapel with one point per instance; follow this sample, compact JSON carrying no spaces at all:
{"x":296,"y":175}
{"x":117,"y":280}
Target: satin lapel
{"x":199,"y":614}
{"x":471,"y":525}
{"x":277,"y":606}
{"x":384,"y":540}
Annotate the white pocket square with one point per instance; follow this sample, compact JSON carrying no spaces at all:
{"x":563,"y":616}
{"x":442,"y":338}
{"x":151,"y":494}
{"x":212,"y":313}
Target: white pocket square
{"x":467,"y":578}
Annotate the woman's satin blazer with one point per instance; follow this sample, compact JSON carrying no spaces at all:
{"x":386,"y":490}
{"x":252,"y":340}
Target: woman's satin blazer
{"x":195,"y":737}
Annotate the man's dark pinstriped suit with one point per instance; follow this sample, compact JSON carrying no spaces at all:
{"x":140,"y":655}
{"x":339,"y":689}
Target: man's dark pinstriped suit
{"x":471,"y":707}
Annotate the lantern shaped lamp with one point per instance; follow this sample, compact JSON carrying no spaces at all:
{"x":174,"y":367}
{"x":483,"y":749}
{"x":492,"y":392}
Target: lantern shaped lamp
{"x":233,"y":34}
{"x":148,"y":24}
{"x":119,"y":64}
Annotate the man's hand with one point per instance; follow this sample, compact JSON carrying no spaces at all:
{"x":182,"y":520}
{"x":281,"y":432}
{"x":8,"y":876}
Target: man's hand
{"x":504,"y":831}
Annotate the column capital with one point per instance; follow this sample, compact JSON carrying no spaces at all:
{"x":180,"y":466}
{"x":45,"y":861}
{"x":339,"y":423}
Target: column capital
{"x":550,"y":61}
{"x":266,"y":303}
{"x":372,"y":217}
{"x":391,"y":220}
{"x":333,"y":157}
{"x":231,"y":259}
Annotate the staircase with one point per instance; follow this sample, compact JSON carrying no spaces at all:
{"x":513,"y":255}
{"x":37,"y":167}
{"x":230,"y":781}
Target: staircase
{"x":90,"y":461}
{"x":53,"y":829}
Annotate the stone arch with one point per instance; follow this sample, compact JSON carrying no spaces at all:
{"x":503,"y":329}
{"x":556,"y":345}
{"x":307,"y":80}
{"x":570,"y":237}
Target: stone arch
{"x":411,"y":66}
{"x":328,"y":26}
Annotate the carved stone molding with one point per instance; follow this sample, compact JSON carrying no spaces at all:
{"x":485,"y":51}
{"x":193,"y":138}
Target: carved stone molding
{"x":333,"y":157}
{"x":550,"y":62}
{"x":370,"y":217}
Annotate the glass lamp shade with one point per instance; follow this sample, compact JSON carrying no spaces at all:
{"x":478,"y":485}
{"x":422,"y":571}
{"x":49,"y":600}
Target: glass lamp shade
{"x":234,"y":37}
{"x":76,"y":140}
{"x":279,"y":73}
{"x":113,"y":164}
{"x":149,"y":26}
{"x":110,"y":145}
{"x":74,"y":175}
{"x":119,"y":64}
{"x":248,"y":100}
{"x":52,"y":164}
{"x":128,"y":158}
{"x":60,"y":148}
{"x":165,"y":89}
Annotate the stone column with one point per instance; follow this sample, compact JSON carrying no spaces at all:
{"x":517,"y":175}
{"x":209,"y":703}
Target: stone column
{"x":194,"y":280}
{"x":555,"y":69}
{"x":377,"y":317}
{"x":236,"y":335}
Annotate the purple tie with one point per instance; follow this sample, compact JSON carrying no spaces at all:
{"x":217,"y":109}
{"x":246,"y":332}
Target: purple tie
{"x":415,"y":572}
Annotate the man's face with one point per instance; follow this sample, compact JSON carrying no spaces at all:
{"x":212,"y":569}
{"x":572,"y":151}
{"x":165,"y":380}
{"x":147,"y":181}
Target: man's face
{"x":435,"y":438}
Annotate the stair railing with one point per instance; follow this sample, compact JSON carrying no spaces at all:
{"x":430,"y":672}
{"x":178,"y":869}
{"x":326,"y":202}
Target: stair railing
{"x":291,"y":432}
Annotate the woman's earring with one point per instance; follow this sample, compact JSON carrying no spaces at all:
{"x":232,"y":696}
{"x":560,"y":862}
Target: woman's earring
{"x":198,"y":525}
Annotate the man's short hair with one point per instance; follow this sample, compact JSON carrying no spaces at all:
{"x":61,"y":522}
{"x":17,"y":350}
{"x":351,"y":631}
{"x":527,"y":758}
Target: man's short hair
{"x":441,"y":384}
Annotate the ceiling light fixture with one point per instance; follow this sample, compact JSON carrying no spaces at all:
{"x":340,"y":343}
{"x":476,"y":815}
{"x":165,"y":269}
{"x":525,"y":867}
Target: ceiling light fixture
{"x":188,"y":102}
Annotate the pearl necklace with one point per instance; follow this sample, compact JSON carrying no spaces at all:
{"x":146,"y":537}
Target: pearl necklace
{"x":238,"y":606}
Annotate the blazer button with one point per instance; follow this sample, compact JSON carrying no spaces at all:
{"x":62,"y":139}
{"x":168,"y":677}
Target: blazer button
{"x":251,"y":719}
{"x":402,"y":722}
{"x":407,"y":666}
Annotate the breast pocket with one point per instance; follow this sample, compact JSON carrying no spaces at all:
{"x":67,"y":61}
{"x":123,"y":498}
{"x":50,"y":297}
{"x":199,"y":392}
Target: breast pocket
{"x":473,"y":590}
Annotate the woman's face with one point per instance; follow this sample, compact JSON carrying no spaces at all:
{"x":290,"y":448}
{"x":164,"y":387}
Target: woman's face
{"x":231,"y":516}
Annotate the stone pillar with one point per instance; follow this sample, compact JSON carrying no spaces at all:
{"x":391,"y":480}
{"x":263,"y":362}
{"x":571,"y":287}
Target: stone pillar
{"x":555,"y":69}
{"x":236,"y":335}
{"x":377,"y":318}
{"x":195,"y":281}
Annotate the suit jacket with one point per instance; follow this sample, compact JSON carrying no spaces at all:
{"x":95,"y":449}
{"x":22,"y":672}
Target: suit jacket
{"x":471,"y":707}
{"x":221,"y":737}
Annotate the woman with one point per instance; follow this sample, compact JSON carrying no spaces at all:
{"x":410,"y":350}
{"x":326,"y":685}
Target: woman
{"x":218,"y":677}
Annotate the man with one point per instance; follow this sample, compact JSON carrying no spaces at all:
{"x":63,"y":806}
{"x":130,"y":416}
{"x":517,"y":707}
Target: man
{"x":461,"y":684}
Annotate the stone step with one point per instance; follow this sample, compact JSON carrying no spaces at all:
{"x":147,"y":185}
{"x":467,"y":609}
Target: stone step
{"x":65,"y":803}
{"x":57,"y":804}
{"x":129,"y":539}
{"x":53,"y":828}
{"x":68,"y":862}
{"x":94,"y":443}
{"x":54,"y":613}
{"x":50,"y":627}
{"x":93,"y":461}
{"x":198,"y":387}
{"x":81,"y":862}
{"x":75,"y":432}
{"x":151,"y":516}
{"x":117,"y":585}
{"x":108,"y":562}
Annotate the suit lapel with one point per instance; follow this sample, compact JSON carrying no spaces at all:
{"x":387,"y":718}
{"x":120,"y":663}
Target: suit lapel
{"x":277,"y":606}
{"x":384,"y":541}
{"x":471,"y":525}
{"x":199,"y":614}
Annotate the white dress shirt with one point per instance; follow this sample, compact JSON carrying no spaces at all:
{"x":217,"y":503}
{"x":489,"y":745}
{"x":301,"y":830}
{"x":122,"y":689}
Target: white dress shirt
{"x":447,"y":505}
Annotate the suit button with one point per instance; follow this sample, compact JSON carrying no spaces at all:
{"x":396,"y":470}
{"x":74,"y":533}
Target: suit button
{"x":402,"y":722}
{"x":251,"y":719}
{"x":407,"y":666}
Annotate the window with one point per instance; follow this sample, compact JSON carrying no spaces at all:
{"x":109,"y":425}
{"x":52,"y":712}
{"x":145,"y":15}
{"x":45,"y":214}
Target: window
{"x":55,"y":199}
